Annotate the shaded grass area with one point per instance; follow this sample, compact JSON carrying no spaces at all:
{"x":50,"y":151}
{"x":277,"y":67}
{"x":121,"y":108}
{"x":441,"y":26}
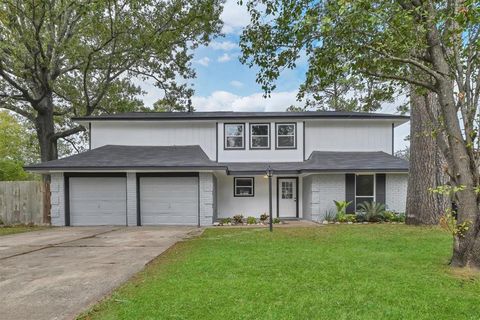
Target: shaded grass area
{"x":332,"y":272}
{"x":18,"y":229}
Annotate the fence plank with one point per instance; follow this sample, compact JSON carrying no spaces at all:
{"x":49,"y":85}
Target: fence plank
{"x":24,"y":202}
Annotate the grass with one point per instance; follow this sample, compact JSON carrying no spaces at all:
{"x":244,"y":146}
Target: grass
{"x":333,"y":272}
{"x":18,"y":229}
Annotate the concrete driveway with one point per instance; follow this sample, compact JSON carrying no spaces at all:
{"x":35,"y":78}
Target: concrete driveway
{"x":60,"y":272}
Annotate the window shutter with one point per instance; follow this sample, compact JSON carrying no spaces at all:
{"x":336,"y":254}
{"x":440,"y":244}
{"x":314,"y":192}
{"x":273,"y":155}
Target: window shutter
{"x":380,"y":188}
{"x":350,"y":191}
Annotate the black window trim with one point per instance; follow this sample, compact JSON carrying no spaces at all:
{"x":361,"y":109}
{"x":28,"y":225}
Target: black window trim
{"x":225,"y":135}
{"x":243,"y":196}
{"x":374,"y":196}
{"x":295,"y":136}
{"x":269,"y":136}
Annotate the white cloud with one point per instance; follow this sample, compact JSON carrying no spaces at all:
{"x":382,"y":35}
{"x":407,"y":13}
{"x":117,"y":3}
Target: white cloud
{"x":236,"y":84}
{"x":223,"y":45}
{"x":234,"y":17}
{"x":204,"y":61}
{"x":227,"y":101}
{"x":224,"y":58}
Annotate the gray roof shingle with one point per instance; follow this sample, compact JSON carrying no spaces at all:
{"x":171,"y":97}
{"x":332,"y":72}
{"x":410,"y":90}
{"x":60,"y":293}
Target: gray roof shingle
{"x":116,"y":157}
{"x":240,"y":115}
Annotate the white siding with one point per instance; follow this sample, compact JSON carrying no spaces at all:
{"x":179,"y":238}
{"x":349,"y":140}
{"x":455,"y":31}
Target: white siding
{"x":57,"y":199}
{"x":131,"y":199}
{"x":352,"y":135}
{"x":268,"y":155}
{"x":155,"y":133}
{"x":396,"y":192}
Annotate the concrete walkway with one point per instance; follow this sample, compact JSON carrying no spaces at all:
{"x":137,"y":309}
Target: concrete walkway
{"x":60,"y":272}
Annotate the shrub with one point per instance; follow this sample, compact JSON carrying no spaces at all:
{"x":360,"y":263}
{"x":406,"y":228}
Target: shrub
{"x":373,"y":211}
{"x":360,"y":217}
{"x":342,"y":206}
{"x":264,"y":217}
{"x":226,"y":220}
{"x":400,"y":217}
{"x":330,"y":215}
{"x":276,"y":220}
{"x":341,"y":217}
{"x":251,"y":220}
{"x":238,"y":218}
{"x":390,"y":216}
{"x":350,"y":218}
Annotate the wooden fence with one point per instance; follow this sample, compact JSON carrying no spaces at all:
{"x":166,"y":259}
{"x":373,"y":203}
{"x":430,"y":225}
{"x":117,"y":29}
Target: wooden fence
{"x":24,"y":202}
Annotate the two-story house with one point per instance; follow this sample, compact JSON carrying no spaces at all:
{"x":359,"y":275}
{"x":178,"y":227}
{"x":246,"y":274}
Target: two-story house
{"x":194,"y":168}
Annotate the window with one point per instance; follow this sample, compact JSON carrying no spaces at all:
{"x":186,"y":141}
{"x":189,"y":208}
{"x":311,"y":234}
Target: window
{"x":243,"y":187}
{"x":287,"y":190}
{"x":260,"y":136}
{"x":364,"y":188}
{"x":286,"y":136}
{"x":234,"y":136}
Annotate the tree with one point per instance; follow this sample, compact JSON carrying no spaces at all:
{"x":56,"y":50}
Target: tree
{"x":164,"y":105}
{"x":17,"y":145}
{"x":426,"y":165}
{"x":430,"y":45}
{"x":71,"y":58}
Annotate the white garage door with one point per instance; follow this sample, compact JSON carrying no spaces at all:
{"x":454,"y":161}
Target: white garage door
{"x":98,"y":201}
{"x":169,"y":200}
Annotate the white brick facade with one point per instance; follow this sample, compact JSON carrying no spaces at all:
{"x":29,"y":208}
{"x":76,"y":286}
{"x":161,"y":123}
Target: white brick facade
{"x":325,"y":189}
{"x":396,"y":191}
{"x":57,"y":199}
{"x":207,"y":198}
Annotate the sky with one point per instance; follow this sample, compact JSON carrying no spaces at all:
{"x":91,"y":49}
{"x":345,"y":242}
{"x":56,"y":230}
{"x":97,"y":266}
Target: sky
{"x":224,"y":84}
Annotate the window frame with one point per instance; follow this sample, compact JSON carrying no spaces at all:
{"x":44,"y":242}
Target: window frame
{"x":374,"y":187}
{"x":243,"y":195}
{"x":269,"y":136}
{"x":277,"y":124}
{"x":225,"y":147}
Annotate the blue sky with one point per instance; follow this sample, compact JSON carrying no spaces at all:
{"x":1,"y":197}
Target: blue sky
{"x":223,"y":83}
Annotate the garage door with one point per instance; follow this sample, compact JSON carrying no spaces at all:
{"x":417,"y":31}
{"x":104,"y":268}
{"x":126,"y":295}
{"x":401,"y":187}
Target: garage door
{"x":169,"y":200}
{"x":97,"y":201}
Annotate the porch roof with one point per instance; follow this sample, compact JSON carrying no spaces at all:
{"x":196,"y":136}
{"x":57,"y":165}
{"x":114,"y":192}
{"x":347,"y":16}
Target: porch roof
{"x":117,"y":157}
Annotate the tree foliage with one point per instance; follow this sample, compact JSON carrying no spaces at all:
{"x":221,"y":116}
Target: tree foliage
{"x":432,"y":46}
{"x":71,"y":58}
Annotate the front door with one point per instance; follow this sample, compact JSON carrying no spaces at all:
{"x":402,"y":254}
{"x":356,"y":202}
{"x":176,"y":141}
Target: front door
{"x":287,"y":198}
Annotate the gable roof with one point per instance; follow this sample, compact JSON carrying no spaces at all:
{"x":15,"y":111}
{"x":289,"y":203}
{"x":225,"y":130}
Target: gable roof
{"x":225,"y":115}
{"x":117,"y":157}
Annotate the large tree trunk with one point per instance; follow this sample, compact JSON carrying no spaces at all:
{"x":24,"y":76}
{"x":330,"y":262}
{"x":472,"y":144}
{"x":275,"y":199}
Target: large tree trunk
{"x":45,"y":129}
{"x":426,"y":163}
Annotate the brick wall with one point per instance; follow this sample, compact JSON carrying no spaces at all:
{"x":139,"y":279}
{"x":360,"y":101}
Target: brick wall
{"x":57,"y":199}
{"x":207,"y":192}
{"x":396,"y":191}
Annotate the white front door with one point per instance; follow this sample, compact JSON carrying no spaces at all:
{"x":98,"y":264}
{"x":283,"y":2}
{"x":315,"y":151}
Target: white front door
{"x":287,"y":197}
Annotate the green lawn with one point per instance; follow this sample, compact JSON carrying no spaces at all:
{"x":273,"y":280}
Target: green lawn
{"x":333,"y":272}
{"x":18,"y":229}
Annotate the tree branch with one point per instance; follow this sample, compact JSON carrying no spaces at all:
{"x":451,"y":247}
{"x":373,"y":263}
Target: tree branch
{"x":68,"y":132}
{"x":400,"y":78}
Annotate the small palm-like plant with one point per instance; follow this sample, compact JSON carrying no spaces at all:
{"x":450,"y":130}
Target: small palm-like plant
{"x":372,"y":211}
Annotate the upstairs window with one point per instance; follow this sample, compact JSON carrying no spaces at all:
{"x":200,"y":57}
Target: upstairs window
{"x":243,"y":187}
{"x":259,"y":136}
{"x":364,"y":188}
{"x":234,"y":136}
{"x":286,"y":136}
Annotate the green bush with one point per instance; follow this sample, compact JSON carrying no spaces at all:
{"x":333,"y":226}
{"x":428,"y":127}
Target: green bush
{"x":238,"y":218}
{"x":264,"y":217}
{"x":251,"y":220}
{"x":401,"y":217}
{"x":342,"y":206}
{"x":341,"y":217}
{"x":350,"y":218}
{"x":360,"y":217}
{"x":276,"y":220}
{"x":330,"y":215}
{"x":373,"y":211}
{"x":226,"y":220}
{"x":390,"y":216}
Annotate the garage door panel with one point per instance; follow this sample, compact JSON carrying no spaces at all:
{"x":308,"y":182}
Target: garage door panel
{"x":97,"y":201}
{"x":169,"y":200}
